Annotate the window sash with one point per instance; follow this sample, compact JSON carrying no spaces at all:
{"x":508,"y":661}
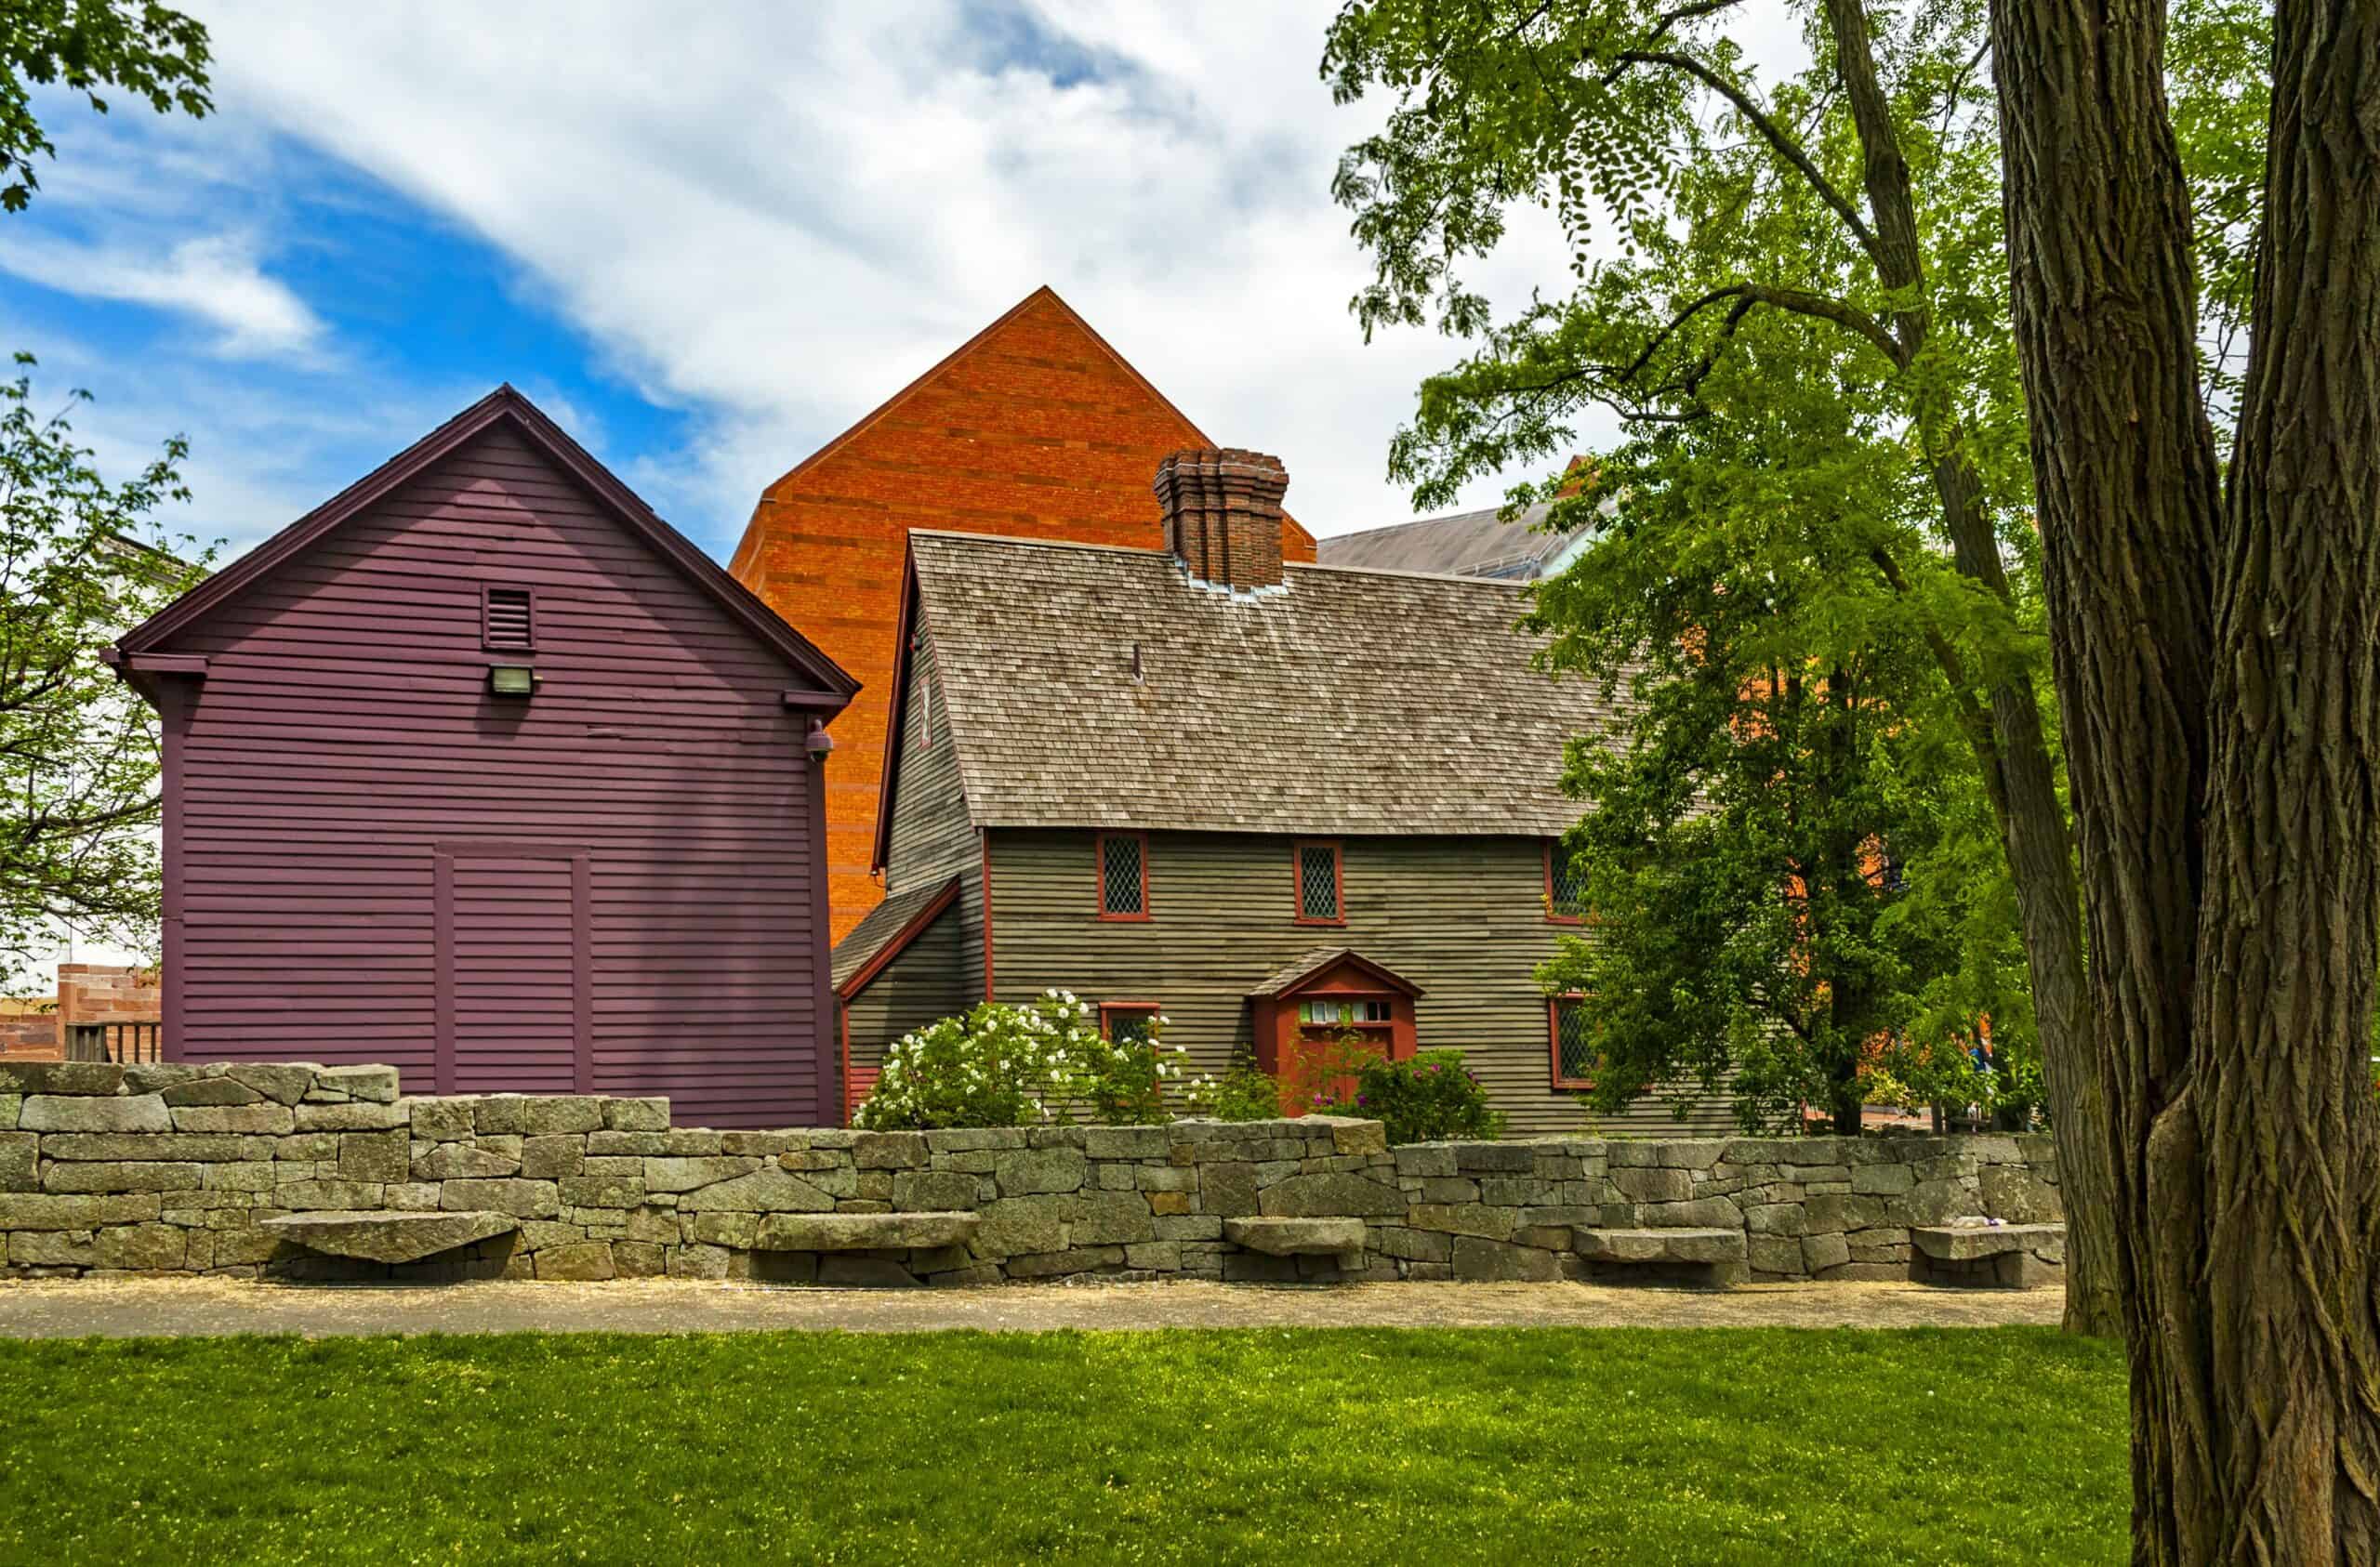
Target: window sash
{"x":1318,"y":888}
{"x":1129,"y":1021}
{"x":1565,"y":898}
{"x":1574,"y":1051}
{"x":1123,"y":875}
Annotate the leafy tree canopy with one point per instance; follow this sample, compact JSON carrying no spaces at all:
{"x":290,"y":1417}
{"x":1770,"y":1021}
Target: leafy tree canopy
{"x":1794,"y":297}
{"x":146,"y":49}
{"x":81,"y":561}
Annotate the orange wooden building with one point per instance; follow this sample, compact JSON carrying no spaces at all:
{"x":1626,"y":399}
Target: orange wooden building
{"x":1034,"y":428}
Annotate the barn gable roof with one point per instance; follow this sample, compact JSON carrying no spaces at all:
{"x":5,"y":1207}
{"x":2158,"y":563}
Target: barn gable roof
{"x":503,"y":405}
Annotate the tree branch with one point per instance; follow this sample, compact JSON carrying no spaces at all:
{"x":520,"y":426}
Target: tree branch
{"x":1785,"y":146}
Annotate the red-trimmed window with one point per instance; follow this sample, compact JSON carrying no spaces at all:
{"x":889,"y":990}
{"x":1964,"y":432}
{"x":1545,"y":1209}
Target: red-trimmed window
{"x":1570,"y":1036}
{"x":1565,"y":892}
{"x":1128,"y":1019}
{"x":1123,"y":875}
{"x":1321,"y":881}
{"x":507,"y":619}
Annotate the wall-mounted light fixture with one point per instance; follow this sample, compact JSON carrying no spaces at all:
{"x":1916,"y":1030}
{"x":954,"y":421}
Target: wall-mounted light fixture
{"x":512,"y":680}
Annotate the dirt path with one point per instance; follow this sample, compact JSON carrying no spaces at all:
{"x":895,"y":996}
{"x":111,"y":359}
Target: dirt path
{"x":172,"y":1306}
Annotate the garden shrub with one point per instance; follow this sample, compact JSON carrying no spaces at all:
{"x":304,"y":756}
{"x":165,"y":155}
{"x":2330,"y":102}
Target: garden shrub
{"x":1242,"y":1094}
{"x":1428,"y":1097}
{"x":1006,"y":1064}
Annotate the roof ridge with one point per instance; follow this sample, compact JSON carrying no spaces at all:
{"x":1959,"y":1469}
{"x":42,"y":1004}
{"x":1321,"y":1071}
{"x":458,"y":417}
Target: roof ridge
{"x":966,"y":536}
{"x":963,"y":536}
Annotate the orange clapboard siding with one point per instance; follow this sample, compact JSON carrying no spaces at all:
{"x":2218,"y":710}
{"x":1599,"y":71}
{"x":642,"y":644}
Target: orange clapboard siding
{"x":1034,"y":428}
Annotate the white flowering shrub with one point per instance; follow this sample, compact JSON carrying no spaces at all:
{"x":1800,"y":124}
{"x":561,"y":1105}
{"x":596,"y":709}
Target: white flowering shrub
{"x":1011,"y":1065}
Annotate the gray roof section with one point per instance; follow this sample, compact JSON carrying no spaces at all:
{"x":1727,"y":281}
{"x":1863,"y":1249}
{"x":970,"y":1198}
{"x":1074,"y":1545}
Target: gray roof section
{"x":1472,"y":544}
{"x":1342,"y":702}
{"x":1314,"y":963}
{"x":879,"y":925}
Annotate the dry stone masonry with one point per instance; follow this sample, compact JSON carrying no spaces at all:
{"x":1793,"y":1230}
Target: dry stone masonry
{"x":299,"y":1171}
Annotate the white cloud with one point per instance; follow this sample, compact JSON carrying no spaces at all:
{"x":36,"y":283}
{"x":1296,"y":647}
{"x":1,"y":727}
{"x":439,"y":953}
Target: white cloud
{"x":774,"y":217}
{"x":218,"y":278}
{"x":771,"y":217}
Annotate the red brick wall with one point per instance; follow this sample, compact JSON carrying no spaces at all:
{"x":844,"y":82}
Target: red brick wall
{"x":29,"y":1036}
{"x":1036,"y":429}
{"x":101,"y":992}
{"x":87,"y":993}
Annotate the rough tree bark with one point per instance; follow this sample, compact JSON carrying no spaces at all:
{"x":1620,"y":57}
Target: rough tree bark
{"x":2014,"y":753}
{"x":2219,"y":666}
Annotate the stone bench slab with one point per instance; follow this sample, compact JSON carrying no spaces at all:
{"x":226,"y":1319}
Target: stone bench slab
{"x":391,"y":1236}
{"x":863,"y":1231}
{"x":1660,"y":1245}
{"x":1296,"y":1237}
{"x":1966,"y":1242}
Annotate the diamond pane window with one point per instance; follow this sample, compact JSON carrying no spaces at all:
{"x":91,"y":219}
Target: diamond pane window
{"x":1319,"y":882}
{"x":1574,"y":1046}
{"x":1127,"y":1024}
{"x":1566,"y":889}
{"x":1123,"y":875}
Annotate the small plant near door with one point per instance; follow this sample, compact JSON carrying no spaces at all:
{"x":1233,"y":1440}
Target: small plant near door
{"x":1245,"y":1093}
{"x":1426,"y":1097}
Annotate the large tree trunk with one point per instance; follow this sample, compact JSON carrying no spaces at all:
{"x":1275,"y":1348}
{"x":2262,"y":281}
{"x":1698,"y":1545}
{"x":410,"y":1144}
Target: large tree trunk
{"x":2217,"y":669}
{"x":2015,"y":759}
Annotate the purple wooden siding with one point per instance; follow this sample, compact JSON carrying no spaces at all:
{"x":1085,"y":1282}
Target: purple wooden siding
{"x":509,"y":976}
{"x":343,"y":742}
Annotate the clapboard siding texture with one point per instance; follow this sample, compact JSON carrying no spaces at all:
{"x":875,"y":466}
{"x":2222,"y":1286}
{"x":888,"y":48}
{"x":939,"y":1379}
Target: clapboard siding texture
{"x":926,"y":981}
{"x":929,"y":841}
{"x":932,"y":838}
{"x":343,"y":742}
{"x":1462,"y":918}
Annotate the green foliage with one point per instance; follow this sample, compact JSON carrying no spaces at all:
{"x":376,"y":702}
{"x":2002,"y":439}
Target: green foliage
{"x":1822,"y":469}
{"x":2221,"y":100}
{"x":1242,"y":1094}
{"x":81,"y":561}
{"x":1618,"y":1447}
{"x":1017,"y":1065}
{"x":1757,"y":831}
{"x":149,"y":50}
{"x":1428,"y":1097}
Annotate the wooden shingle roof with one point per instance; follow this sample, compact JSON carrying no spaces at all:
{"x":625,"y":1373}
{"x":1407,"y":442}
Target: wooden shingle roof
{"x":1102,"y":686}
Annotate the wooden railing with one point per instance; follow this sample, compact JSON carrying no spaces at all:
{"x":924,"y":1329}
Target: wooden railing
{"x":120,"y":1042}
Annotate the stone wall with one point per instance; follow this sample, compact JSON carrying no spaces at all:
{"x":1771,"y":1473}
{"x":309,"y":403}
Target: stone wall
{"x":170,"y":1168}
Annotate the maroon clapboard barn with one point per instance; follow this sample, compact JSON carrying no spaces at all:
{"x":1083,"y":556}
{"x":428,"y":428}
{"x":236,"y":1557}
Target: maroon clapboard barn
{"x":483,"y":771}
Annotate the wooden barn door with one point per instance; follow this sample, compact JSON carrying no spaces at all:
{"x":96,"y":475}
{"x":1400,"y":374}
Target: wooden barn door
{"x":515,"y":991}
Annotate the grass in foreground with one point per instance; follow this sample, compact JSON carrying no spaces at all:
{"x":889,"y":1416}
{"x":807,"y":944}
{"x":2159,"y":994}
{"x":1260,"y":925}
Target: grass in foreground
{"x":1766,"y":1445}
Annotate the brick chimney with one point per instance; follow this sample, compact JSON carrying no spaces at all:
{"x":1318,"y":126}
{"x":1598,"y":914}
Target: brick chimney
{"x":1223,"y":514}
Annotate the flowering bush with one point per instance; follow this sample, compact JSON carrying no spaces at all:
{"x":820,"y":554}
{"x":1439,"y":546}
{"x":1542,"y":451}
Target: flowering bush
{"x":1428,"y":1097}
{"x":1009,"y":1065}
{"x":1242,"y":1094}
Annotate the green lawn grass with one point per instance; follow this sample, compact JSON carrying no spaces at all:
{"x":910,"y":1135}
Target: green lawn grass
{"x":1538,"y":1445}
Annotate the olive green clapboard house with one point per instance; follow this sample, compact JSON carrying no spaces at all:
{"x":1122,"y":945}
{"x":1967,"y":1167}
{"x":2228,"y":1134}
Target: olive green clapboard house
{"x":1248,"y":795}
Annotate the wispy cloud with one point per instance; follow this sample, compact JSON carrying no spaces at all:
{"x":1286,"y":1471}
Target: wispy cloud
{"x":751,"y":224}
{"x":218,"y":279}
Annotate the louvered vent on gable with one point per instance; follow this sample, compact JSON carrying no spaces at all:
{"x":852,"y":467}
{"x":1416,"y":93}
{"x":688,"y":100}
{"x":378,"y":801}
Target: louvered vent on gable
{"x":507,"y":618}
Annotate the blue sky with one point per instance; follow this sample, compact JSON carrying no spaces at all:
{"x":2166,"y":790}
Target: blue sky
{"x":706,"y":247}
